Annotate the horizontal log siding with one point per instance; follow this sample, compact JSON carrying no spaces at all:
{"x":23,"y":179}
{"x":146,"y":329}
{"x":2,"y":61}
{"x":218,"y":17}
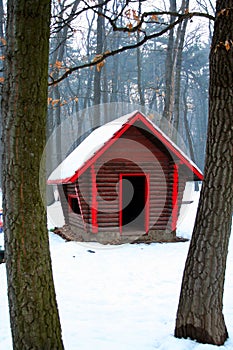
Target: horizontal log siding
{"x":160,"y":196}
{"x":145,"y":155}
{"x":108,"y":190}
{"x":76,"y":220}
{"x":142,"y":157}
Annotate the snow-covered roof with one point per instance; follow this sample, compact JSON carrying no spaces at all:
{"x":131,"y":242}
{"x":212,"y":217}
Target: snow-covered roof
{"x":99,"y":138}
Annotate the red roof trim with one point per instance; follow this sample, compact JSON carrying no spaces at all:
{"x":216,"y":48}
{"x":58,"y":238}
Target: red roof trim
{"x":170,"y":146}
{"x":109,"y":143}
{"x":58,"y":182}
{"x":116,"y":136}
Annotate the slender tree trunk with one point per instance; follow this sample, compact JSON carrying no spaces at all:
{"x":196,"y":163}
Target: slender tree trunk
{"x":99,"y":49}
{"x":90,"y":74}
{"x":115,"y":72}
{"x":139,"y":77}
{"x":33,"y":310}
{"x":140,"y":65}
{"x":180,"y":44}
{"x":199,"y":314}
{"x":169,"y":69}
{"x":187,"y":129}
{"x":96,"y":120}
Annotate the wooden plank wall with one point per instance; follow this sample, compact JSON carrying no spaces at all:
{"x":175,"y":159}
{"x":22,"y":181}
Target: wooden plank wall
{"x":135,"y":152}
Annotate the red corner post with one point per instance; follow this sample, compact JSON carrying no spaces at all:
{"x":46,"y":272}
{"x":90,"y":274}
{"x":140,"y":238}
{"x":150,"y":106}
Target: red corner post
{"x":94,"y":201}
{"x":175,"y":197}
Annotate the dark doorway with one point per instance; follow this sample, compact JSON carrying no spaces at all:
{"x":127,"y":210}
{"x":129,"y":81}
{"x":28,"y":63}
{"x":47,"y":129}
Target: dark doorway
{"x":133,"y":202}
{"x":74,"y":204}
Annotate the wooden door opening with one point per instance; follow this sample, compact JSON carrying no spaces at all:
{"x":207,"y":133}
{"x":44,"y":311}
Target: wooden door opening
{"x":133,"y":202}
{"x":74,"y":204}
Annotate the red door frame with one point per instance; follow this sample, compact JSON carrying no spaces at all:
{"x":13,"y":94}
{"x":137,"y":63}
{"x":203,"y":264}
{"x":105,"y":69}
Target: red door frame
{"x":147,"y":199}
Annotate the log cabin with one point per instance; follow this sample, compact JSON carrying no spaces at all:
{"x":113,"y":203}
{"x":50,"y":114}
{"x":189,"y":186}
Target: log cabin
{"x":124,"y":182}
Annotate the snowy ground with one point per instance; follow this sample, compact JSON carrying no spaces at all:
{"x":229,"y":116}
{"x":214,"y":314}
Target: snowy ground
{"x":121,"y":297}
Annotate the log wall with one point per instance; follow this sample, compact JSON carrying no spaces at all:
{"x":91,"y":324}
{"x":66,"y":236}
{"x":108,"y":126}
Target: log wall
{"x":135,"y":152}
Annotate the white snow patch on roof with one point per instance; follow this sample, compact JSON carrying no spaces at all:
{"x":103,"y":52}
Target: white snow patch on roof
{"x":88,"y":148}
{"x":96,"y":140}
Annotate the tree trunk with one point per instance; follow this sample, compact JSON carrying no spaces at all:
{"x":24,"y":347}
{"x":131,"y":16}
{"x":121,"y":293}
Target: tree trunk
{"x":199,"y":314}
{"x":187,"y":129}
{"x":169,"y":69}
{"x":140,"y":64}
{"x":179,"y":51}
{"x":2,"y":54}
{"x":99,"y":49}
{"x":90,"y":74}
{"x":33,"y":310}
{"x":96,"y":120}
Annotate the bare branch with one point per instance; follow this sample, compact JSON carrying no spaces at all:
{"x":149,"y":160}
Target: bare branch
{"x":101,"y":57}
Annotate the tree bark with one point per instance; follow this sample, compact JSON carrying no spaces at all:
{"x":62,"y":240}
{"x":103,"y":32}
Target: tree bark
{"x":33,"y":310}
{"x":199,"y":314}
{"x":2,"y":54}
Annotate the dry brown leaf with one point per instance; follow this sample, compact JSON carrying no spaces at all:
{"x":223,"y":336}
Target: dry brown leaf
{"x":54,"y":102}
{"x":49,"y":100}
{"x":97,"y":58}
{"x":100,"y":65}
{"x":135,"y":16}
{"x":3,"y":41}
{"x":128,"y":13}
{"x":227,"y":45}
{"x":154,"y":18}
{"x":129,"y":25}
{"x":58,"y":64}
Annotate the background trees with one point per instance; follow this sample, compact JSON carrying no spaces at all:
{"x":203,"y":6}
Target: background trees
{"x":140,"y":76}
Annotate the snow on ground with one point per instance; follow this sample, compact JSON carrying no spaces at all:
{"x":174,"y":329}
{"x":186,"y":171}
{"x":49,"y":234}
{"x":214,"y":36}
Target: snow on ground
{"x":121,"y":297}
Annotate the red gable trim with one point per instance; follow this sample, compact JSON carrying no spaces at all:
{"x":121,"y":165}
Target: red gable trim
{"x":170,"y":146}
{"x":109,"y":143}
{"x":58,"y":182}
{"x":117,"y":135}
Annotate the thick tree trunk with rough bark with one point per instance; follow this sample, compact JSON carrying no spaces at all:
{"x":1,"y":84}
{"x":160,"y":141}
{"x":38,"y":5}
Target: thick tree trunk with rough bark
{"x":33,"y":310}
{"x":199,"y":314}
